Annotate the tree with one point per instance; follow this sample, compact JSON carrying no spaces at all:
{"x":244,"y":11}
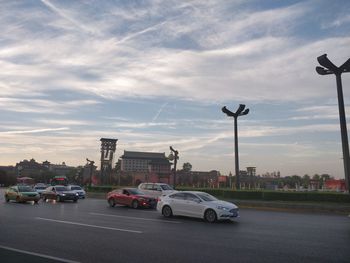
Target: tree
{"x":187,"y":167}
{"x":306,"y":180}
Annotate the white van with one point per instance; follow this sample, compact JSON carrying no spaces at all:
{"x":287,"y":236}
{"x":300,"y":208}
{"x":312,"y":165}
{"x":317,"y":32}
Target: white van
{"x":155,"y":189}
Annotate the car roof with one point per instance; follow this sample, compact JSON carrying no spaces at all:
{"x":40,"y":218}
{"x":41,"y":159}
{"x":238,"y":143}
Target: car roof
{"x":190,"y":192}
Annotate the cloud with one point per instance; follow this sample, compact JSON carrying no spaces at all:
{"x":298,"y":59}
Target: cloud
{"x":34,"y":131}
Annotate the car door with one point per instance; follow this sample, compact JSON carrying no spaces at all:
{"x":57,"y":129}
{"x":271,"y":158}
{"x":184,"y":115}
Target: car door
{"x":52,"y":193}
{"x":11,"y":193}
{"x":193,"y":205}
{"x":127,"y":198}
{"x":177,"y":203}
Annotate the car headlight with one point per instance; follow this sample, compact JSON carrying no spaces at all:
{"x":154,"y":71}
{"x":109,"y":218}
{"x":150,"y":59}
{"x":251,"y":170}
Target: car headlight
{"x":76,"y":194}
{"x":223,"y":208}
{"x":63,"y":194}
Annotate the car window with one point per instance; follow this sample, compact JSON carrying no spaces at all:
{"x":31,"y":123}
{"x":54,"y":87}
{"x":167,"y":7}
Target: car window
{"x":149,"y":186}
{"x":191,"y":197}
{"x":207,"y":197}
{"x":125,"y":192}
{"x":166,"y":187}
{"x":157,"y":188}
{"x":61,"y":188}
{"x":25,"y":188}
{"x":135,"y":192}
{"x":143,"y":186}
{"x":75,"y":188}
{"x":179,"y":196}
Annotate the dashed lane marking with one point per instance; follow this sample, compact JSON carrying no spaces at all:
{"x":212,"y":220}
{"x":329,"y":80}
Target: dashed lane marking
{"x":137,"y":218}
{"x":88,"y":225}
{"x":38,"y":254}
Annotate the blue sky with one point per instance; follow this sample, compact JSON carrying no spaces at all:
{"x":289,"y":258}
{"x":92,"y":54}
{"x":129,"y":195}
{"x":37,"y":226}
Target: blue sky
{"x":157,"y":73}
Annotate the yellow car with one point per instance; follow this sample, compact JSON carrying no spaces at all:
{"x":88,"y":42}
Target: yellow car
{"x":21,"y":193}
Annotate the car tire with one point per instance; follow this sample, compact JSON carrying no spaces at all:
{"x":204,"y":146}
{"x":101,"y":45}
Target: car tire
{"x":7,"y":199}
{"x":166,"y":211}
{"x":36,"y":201}
{"x":210,"y":216}
{"x":44,"y":198}
{"x":18,"y":200}
{"x":58,"y":198}
{"x":135,"y":204}
{"x":111,"y":202}
{"x":75,"y":200}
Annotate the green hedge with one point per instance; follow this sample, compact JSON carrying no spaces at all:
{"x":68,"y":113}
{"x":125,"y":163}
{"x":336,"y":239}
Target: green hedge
{"x":276,"y":195}
{"x":255,"y":195}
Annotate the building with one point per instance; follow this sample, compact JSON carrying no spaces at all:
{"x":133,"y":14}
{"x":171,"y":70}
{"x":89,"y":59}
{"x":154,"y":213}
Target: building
{"x":29,"y":168}
{"x":335,"y":185}
{"x":145,"y":162}
{"x":145,"y":167}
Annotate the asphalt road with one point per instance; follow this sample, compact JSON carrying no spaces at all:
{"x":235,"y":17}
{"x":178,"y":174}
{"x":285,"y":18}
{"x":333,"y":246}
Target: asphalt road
{"x":90,"y":231}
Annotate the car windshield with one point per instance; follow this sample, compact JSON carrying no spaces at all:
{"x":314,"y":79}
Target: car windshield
{"x":207,"y":197}
{"x":166,"y":187}
{"x":75,"y":188}
{"x":135,"y":192}
{"x":61,"y":188}
{"x":25,"y":188}
{"x":40,"y":187}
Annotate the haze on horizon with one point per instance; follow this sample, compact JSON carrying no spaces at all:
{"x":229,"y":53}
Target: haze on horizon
{"x":157,"y":73}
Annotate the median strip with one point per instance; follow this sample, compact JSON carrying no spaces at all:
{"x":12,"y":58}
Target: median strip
{"x":94,"y":226}
{"x":38,"y":254}
{"x":136,"y":218}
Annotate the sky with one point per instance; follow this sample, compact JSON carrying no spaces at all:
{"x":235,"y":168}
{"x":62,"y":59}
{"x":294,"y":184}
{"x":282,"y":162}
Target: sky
{"x":155,"y":74}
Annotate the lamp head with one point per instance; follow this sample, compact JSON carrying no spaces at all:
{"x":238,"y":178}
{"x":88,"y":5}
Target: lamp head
{"x":346,"y":66}
{"x":228,"y":112}
{"x":325,"y":62}
{"x":240,"y":109}
{"x":244,"y":112}
{"x":323,"y":71}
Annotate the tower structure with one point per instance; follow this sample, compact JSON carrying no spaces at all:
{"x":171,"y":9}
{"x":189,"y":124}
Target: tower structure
{"x":108,"y":147}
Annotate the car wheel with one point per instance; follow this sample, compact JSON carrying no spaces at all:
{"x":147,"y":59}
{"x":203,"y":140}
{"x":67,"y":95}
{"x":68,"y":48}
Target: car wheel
{"x":166,"y":211}
{"x":58,"y":198}
{"x":7,"y":199}
{"x":75,"y":200}
{"x":36,"y":201}
{"x":210,"y":216}
{"x":44,"y":198}
{"x":135,"y":204}
{"x":111,"y":202}
{"x":18,"y":199}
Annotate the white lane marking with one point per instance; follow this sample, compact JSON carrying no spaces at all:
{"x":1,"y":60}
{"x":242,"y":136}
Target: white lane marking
{"x":137,"y":218}
{"x":38,"y":254}
{"x":95,"y":226}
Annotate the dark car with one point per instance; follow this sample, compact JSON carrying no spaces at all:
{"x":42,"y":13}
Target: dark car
{"x":59,"y":193}
{"x":131,"y":197}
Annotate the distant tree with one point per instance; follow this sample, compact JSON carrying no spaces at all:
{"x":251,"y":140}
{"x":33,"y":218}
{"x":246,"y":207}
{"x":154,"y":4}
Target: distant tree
{"x":306,"y":180}
{"x":187,"y":167}
{"x":316,"y":177}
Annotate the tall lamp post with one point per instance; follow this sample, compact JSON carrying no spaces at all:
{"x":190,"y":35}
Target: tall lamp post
{"x":91,"y":164}
{"x":239,"y":112}
{"x":174,"y":155}
{"x":329,"y":68}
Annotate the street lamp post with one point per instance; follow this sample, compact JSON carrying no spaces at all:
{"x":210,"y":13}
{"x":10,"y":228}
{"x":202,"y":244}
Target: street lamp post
{"x":329,"y":68}
{"x":174,"y":154}
{"x":239,"y":112}
{"x":91,"y":164}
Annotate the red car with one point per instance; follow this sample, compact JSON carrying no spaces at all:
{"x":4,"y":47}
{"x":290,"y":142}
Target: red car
{"x":131,"y":197}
